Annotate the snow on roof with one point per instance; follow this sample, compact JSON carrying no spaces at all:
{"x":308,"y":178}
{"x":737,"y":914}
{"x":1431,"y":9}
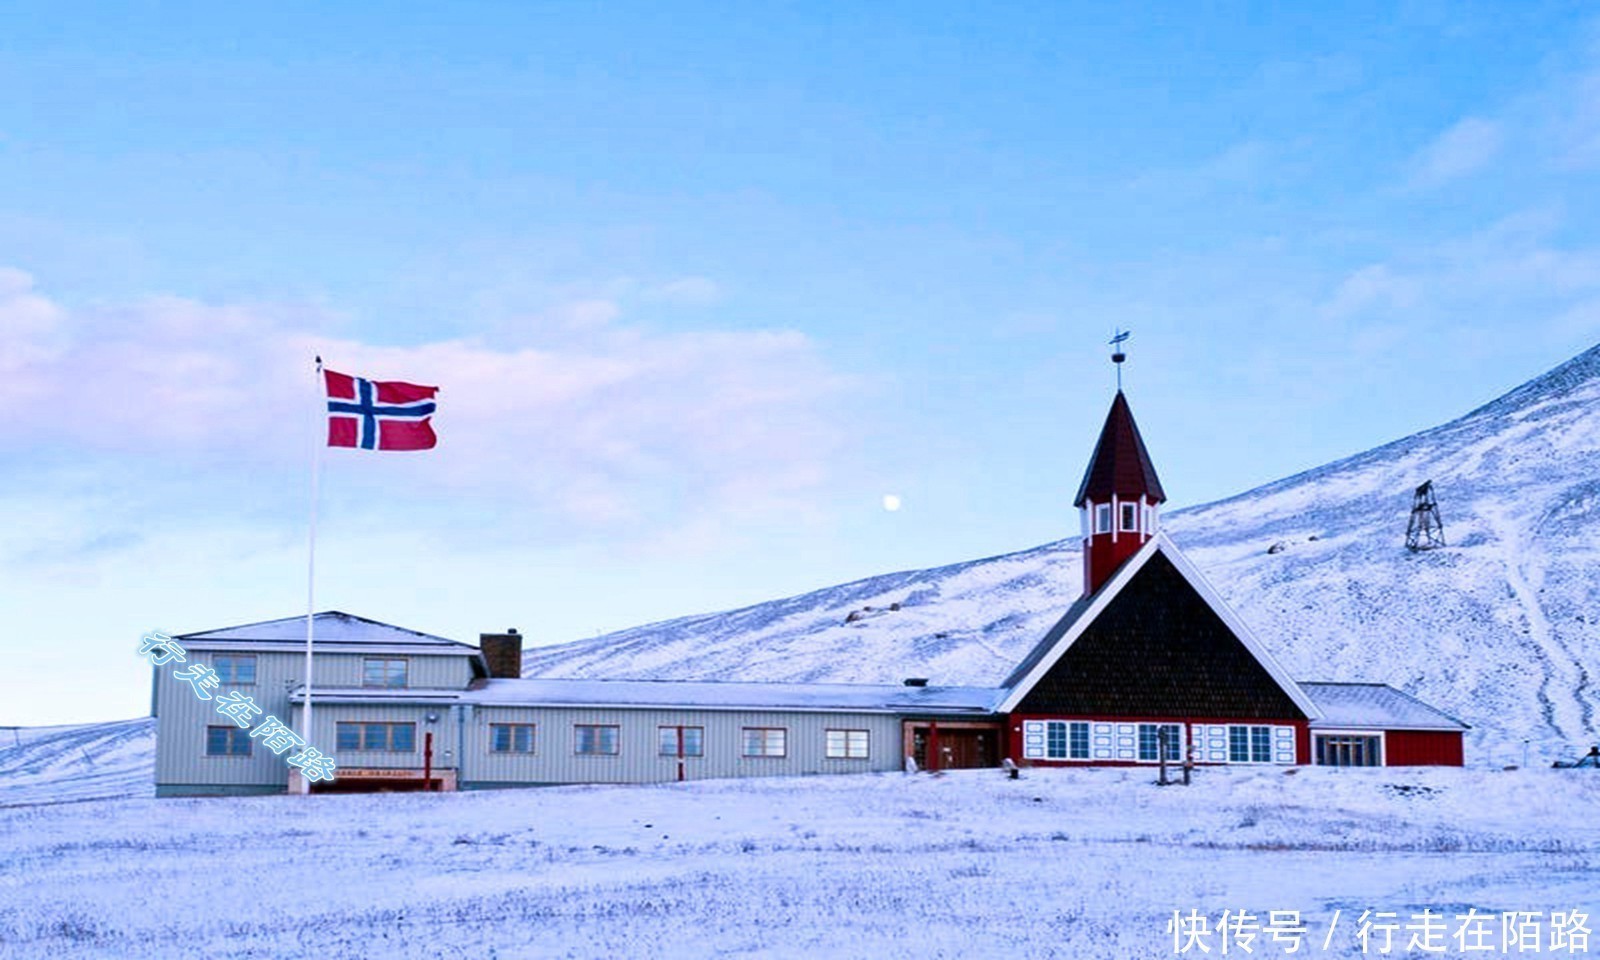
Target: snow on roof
{"x":330,"y":626}
{"x":715,"y":695}
{"x":1374,"y":706}
{"x":400,"y":695}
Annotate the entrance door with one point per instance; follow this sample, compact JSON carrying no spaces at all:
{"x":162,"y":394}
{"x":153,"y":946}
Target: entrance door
{"x":965,"y":747}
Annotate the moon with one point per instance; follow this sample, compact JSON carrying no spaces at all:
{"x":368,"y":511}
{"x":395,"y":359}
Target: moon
{"x":891,"y":502}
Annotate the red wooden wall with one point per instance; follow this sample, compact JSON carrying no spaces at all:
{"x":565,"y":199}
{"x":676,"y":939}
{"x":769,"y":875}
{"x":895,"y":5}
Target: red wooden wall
{"x":1408,"y":748}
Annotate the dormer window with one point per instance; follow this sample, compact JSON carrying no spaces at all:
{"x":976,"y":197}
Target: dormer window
{"x":1130,"y":516}
{"x":1102,"y":518}
{"x":383,"y":672}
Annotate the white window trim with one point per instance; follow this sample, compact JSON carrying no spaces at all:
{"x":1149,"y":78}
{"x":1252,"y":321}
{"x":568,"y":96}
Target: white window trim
{"x":1183,"y":739}
{"x":1272,"y":739}
{"x":685,"y":727}
{"x":1102,"y":518}
{"x":866,"y":736}
{"x":597,"y":753}
{"x":744,"y":753}
{"x":533,"y":738}
{"x":1383,"y":742}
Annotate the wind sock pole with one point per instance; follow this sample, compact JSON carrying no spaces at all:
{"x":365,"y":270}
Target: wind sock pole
{"x":317,"y":441}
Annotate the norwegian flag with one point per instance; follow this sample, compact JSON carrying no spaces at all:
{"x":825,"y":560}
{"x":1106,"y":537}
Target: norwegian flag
{"x":379,"y":414}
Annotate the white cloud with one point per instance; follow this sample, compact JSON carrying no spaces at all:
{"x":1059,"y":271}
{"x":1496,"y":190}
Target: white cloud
{"x":692,"y":291}
{"x":1465,"y":148}
{"x":603,"y":427}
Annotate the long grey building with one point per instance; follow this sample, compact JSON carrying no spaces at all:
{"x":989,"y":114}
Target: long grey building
{"x":402,"y":710}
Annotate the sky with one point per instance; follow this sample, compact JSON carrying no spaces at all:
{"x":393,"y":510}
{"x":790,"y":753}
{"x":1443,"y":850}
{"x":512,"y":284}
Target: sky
{"x":702,"y":285}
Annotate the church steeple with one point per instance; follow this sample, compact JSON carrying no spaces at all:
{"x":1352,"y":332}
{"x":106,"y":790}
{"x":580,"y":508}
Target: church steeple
{"x":1120,"y":498}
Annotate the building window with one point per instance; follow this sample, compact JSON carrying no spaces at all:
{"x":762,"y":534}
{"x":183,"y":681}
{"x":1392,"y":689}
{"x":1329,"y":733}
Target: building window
{"x":1149,"y":520}
{"x":387,"y":737}
{"x":1250,"y":744}
{"x":1066,"y":740}
{"x":1078,"y":741}
{"x":229,"y":741}
{"x":1102,"y":518}
{"x":1349,"y":750}
{"x":235,"y":669}
{"x":766,"y":742}
{"x":1150,"y":741}
{"x":383,"y":672}
{"x":693,"y":742}
{"x":1055,"y":741}
{"x":511,"y":737}
{"x":1130,"y":516}
{"x":1260,"y":744}
{"x":847,"y":745}
{"x":596,"y":740}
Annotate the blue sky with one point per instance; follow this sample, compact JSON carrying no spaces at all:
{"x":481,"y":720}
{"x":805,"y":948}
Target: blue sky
{"x":702,"y":285}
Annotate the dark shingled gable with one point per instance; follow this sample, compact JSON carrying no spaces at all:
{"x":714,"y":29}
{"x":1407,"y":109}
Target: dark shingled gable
{"x":1159,"y":650}
{"x":1120,"y":465}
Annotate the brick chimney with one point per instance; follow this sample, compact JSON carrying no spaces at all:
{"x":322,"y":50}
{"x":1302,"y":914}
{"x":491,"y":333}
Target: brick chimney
{"x":503,"y":651}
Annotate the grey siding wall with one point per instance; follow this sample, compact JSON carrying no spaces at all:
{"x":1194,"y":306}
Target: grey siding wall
{"x":182,"y":717}
{"x":424,"y":672}
{"x":638,"y":759}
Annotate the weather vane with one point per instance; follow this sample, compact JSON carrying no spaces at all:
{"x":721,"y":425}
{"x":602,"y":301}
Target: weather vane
{"x":1117,"y":356}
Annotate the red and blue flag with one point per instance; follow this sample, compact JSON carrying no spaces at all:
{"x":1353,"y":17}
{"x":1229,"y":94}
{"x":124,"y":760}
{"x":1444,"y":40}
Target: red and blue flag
{"x":379,"y":414}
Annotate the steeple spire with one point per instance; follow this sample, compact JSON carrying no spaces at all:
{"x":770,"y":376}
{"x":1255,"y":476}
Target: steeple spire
{"x":1120,"y":496}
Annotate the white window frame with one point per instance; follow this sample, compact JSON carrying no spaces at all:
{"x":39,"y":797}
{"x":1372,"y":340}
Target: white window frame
{"x":847,"y":744}
{"x":233,"y":661}
{"x":1129,"y":521}
{"x":1102,"y":518}
{"x":768,"y":737}
{"x":599,"y":741}
{"x":667,"y":740}
{"x":1383,"y":743}
{"x":511,"y":742}
{"x":1250,"y":742}
{"x":230,"y":739}
{"x":405,"y":673}
{"x":365,"y":743}
{"x":1056,"y":741}
{"x":1175,"y":746}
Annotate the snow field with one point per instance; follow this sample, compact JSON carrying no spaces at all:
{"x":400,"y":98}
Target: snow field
{"x":1079,"y":863}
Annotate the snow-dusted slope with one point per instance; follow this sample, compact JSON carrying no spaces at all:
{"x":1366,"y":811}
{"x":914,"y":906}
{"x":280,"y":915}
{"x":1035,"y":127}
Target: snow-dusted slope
{"x":97,"y":761}
{"x":1501,"y":628}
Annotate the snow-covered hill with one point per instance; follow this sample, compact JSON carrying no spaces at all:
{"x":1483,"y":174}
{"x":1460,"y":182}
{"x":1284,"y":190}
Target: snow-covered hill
{"x":96,"y":761}
{"x":1501,"y":628}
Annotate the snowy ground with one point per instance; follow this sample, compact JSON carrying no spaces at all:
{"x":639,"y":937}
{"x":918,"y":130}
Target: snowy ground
{"x":1085,"y":863}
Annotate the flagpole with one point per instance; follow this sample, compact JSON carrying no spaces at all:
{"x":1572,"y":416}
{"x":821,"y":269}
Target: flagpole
{"x":311,"y":559}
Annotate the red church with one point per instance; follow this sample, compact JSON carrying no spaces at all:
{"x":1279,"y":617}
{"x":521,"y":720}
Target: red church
{"x":1151,"y":659}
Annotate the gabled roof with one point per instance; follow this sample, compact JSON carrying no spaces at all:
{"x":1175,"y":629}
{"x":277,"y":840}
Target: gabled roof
{"x":1078,"y":617}
{"x":1375,"y":706}
{"x":1120,"y":465}
{"x":331,"y":627}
